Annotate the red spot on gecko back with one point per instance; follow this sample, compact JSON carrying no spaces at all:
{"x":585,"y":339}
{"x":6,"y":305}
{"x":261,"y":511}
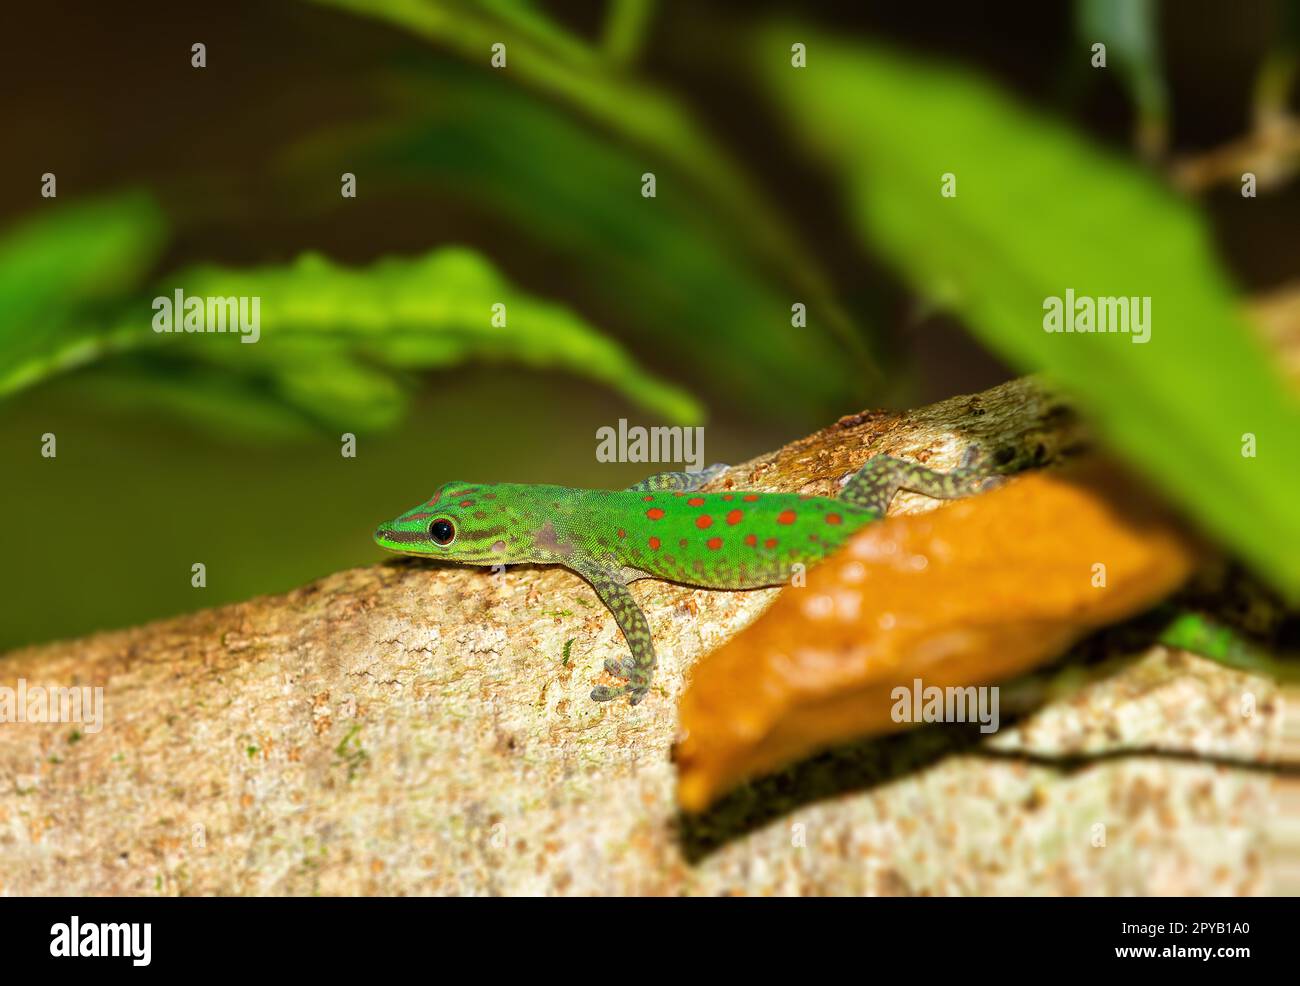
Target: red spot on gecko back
{"x":770,"y":543}
{"x":751,"y":539}
{"x":654,"y":513}
{"x":728,"y":497}
{"x":750,"y":497}
{"x":703,"y":521}
{"x":714,"y":543}
{"x":785,"y":517}
{"x":833,"y":518}
{"x":621,"y":533}
{"x":654,"y":543}
{"x":467,"y":503}
{"x":648,"y":498}
{"x":735,"y":516}
{"x":695,"y":501}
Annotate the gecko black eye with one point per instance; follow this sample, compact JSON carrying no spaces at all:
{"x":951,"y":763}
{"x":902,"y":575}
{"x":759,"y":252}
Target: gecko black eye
{"x":442,"y":531}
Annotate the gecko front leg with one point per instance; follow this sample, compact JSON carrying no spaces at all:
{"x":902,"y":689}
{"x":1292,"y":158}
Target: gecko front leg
{"x":640,"y":667}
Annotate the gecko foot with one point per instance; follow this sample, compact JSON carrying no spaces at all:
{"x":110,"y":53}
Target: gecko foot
{"x":604,"y":693}
{"x":980,"y":470}
{"x":635,"y":690}
{"x":619,"y":669}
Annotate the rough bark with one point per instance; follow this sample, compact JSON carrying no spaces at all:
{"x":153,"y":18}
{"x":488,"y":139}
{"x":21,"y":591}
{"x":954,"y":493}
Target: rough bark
{"x":413,"y":729}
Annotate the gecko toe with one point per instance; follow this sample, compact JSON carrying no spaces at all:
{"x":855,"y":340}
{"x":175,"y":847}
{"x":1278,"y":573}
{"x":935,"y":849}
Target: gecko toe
{"x":972,"y":457}
{"x":619,"y":669}
{"x":603,"y":693}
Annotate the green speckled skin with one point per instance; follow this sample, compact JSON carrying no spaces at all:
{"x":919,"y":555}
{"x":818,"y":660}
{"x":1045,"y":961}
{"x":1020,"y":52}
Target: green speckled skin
{"x":661,"y":529}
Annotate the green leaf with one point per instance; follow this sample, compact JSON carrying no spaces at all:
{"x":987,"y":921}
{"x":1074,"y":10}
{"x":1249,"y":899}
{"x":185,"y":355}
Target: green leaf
{"x":208,"y":399}
{"x":1128,"y":30}
{"x":327,"y":330}
{"x":1202,"y":634}
{"x":595,"y":85}
{"x":1037,"y":211}
{"x":662,"y":271}
{"x":624,"y":31}
{"x":336,"y":344}
{"x":63,"y":260}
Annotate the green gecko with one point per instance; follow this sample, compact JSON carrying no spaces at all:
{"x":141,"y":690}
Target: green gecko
{"x":660,"y":529}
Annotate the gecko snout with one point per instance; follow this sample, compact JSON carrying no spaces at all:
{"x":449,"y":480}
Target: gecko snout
{"x":388,"y":536}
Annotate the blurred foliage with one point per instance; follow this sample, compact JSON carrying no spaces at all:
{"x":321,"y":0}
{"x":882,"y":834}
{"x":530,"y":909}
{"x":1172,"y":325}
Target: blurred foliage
{"x":1128,"y":30}
{"x":705,"y":273}
{"x":592,"y":83}
{"x":333,"y":342}
{"x":54,"y":266}
{"x":1037,"y":211}
{"x":666,"y":267}
{"x":337,"y":334}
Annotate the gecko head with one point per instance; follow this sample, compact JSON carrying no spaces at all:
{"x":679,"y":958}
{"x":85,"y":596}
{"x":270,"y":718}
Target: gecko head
{"x":461,"y":522}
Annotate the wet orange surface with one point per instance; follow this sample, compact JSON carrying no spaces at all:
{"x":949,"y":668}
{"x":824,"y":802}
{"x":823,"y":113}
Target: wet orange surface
{"x":973,"y":593}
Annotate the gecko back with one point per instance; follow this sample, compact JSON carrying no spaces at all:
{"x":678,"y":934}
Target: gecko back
{"x":731,"y":540}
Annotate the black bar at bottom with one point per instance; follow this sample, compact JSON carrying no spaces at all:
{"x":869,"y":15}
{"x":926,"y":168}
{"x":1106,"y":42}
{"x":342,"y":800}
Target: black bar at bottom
{"x":335,"y":936}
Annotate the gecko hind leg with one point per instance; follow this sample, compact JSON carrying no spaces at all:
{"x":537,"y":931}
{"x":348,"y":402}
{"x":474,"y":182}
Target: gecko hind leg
{"x":874,"y":485}
{"x":639,"y":668}
{"x":686,"y":482}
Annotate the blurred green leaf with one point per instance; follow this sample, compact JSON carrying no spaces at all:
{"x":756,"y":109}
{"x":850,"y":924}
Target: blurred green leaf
{"x":332,"y":335}
{"x":1038,"y":211}
{"x":1276,"y":76}
{"x":206,"y":398}
{"x":545,"y":57}
{"x":1128,"y":30}
{"x":63,"y":259}
{"x":657,"y":268}
{"x":1202,"y":634}
{"x":624,"y":29}
{"x":336,"y":343}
